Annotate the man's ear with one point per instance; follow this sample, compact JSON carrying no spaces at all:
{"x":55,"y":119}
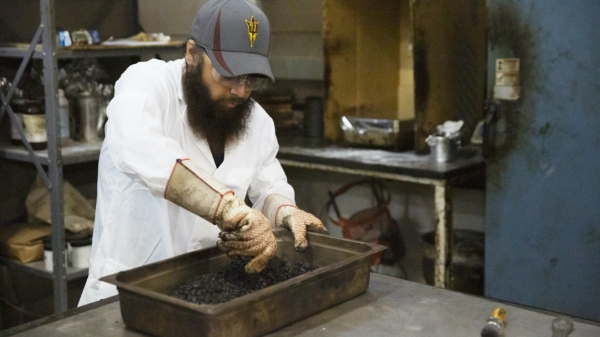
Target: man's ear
{"x":189,"y":58}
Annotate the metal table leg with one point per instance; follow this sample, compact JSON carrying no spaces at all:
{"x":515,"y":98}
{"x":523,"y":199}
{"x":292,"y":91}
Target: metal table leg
{"x":443,"y":233}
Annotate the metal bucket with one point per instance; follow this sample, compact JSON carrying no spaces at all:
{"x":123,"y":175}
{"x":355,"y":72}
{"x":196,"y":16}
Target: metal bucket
{"x":443,"y":149}
{"x":466,"y":272}
{"x":88,"y":115}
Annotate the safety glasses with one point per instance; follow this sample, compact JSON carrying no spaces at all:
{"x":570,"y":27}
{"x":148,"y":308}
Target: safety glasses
{"x":250,"y":82}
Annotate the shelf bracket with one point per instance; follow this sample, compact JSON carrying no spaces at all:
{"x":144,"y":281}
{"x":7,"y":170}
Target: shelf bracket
{"x":34,"y":158}
{"x":26,"y":58}
{"x":6,"y":107}
{"x":49,"y":46}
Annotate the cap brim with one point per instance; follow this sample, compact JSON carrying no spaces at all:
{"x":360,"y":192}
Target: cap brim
{"x":236,"y":64}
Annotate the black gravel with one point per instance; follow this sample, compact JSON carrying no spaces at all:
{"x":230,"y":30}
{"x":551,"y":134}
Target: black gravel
{"x":232,"y":281}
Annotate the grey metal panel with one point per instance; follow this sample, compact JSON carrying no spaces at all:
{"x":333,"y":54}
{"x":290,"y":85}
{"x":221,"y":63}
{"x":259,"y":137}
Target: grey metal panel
{"x":55,"y":173}
{"x":542,"y":215}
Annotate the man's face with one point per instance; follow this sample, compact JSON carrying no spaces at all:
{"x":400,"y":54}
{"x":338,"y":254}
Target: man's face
{"x":215,"y":113}
{"x":231,"y":96}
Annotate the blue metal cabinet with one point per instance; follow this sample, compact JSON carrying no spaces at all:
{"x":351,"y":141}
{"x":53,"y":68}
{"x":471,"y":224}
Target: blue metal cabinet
{"x":543,"y":181}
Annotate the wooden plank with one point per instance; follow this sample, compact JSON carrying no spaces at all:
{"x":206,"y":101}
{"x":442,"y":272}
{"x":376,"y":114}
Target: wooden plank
{"x":362,"y":60}
{"x":406,"y":87}
{"x":378,"y":60}
{"x":340,"y":47}
{"x":450,"y":64}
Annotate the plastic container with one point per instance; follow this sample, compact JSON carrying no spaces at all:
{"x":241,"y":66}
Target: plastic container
{"x":88,"y":114}
{"x":63,"y":115}
{"x":48,"y":254}
{"x":31,"y":115}
{"x":79,"y":251}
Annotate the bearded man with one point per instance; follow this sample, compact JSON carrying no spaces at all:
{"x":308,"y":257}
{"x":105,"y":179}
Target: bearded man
{"x":185,"y":145}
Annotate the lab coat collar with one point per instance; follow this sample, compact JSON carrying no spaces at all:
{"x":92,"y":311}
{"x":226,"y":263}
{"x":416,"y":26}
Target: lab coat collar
{"x":178,"y":72}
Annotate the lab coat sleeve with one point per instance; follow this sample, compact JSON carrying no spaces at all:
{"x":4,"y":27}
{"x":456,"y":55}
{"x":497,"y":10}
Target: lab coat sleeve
{"x":270,"y":178}
{"x":135,"y":130}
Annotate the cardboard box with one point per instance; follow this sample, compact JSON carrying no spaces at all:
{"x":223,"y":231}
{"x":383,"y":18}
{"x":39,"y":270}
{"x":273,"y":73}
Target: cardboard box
{"x":23,"y":241}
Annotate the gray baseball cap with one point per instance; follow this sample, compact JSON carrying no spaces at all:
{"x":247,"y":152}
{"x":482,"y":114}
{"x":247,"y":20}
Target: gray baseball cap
{"x":236,"y":36}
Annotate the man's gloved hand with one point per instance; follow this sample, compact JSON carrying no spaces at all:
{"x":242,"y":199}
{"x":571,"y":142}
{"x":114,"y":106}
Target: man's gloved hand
{"x":245,"y":232}
{"x":299,"y":222}
{"x":283,"y":212}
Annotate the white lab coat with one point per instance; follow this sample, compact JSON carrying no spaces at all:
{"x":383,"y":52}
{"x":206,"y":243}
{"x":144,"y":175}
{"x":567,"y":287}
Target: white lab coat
{"x":147,"y":130}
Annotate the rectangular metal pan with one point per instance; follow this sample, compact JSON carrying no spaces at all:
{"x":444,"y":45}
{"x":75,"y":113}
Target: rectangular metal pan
{"x":146,"y":304}
{"x":390,"y":134}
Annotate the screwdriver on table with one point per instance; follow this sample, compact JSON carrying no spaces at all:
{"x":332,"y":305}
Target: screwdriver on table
{"x":494,"y":326}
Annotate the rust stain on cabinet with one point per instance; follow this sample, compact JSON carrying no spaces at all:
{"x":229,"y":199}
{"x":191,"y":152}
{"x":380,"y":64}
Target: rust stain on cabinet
{"x":512,"y":36}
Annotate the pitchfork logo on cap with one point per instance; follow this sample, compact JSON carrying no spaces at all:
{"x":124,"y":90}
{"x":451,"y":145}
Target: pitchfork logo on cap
{"x":252,"y":30}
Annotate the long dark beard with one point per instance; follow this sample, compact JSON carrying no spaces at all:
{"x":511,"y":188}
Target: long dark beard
{"x":212,"y":120}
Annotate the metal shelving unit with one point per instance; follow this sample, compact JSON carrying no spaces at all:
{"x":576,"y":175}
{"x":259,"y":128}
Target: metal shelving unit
{"x":20,"y":50}
{"x":38,"y":268}
{"x":56,"y":156}
{"x":74,"y":154}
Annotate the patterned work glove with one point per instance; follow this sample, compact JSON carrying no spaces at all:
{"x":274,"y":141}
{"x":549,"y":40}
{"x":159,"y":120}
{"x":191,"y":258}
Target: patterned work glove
{"x":283,"y":212}
{"x":246,"y":232}
{"x":299,"y":222}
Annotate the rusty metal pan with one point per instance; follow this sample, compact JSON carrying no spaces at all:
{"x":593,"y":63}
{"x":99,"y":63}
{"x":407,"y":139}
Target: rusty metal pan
{"x":146,"y":304}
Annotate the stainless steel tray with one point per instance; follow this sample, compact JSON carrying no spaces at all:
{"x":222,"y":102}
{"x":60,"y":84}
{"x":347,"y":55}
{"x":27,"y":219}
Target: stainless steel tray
{"x":390,"y":134}
{"x":146,"y":304}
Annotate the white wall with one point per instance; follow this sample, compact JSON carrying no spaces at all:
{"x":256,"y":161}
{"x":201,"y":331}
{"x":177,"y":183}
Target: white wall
{"x":171,"y":17}
{"x":296,"y":43}
{"x":296,"y":54}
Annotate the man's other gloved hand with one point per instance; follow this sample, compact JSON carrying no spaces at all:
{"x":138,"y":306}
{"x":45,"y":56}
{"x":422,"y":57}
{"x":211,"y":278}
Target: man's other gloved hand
{"x":299,"y":222}
{"x":283,"y":212}
{"x":245,"y":232}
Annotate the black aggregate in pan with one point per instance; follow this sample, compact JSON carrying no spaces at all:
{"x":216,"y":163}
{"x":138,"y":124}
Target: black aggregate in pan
{"x":232,"y":281}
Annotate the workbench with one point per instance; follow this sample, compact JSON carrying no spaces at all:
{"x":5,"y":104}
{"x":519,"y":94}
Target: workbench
{"x":402,"y":166}
{"x":390,"y":307}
